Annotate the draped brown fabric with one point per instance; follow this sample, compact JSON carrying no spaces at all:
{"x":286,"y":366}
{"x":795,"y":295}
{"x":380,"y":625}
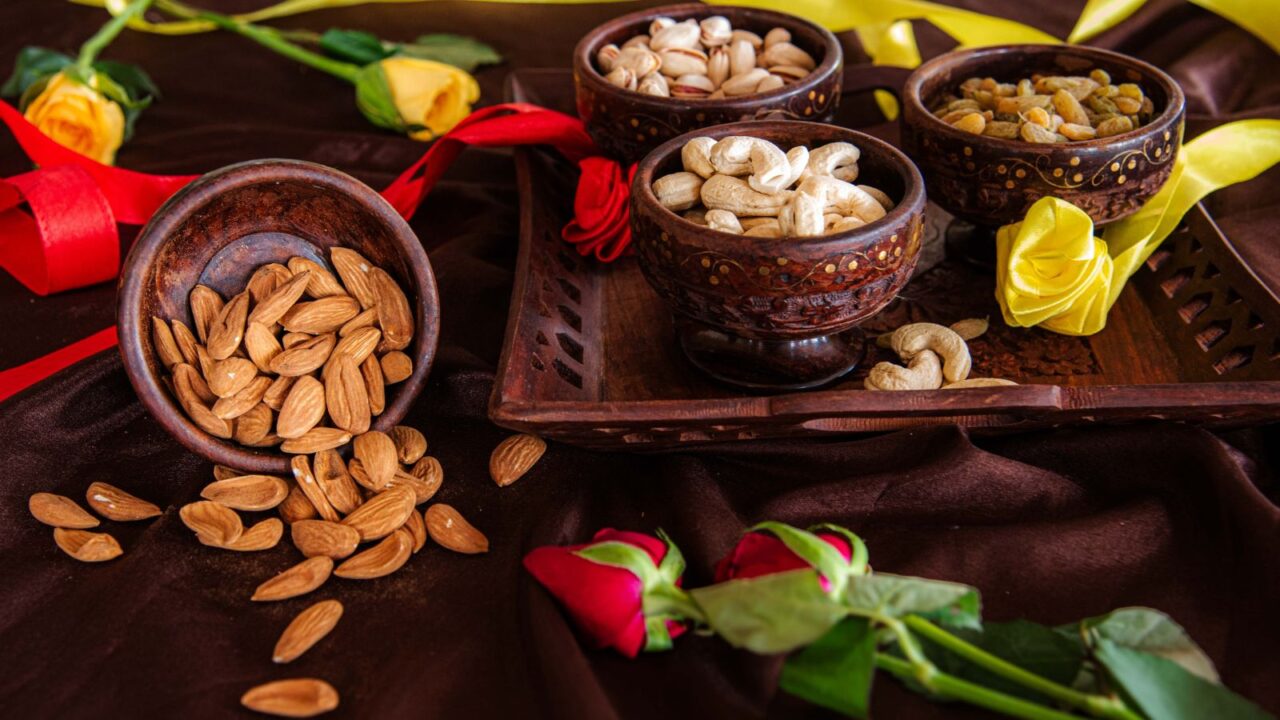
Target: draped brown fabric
{"x":1051,"y":526}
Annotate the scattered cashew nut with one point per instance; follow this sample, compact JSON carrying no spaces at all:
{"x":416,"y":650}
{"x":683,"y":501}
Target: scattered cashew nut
{"x":923,"y":373}
{"x":914,"y":339}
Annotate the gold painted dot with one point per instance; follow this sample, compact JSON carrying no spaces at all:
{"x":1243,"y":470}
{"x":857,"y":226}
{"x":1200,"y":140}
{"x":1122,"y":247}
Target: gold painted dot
{"x":970,"y":166}
{"x":764,"y":270}
{"x":822,"y":98}
{"x":893,"y":238}
{"x":1168,"y":149}
{"x":1122,"y":179}
{"x":830,"y":268}
{"x":715,"y":280}
{"x":653,"y":131}
{"x":1020,"y":173}
{"x":883,"y":254}
{"x":1074,"y":161}
{"x":897,"y":252}
{"x":1008,"y":184}
{"x":640,"y":137}
{"x":706,"y":262}
{"x":1132,"y":164}
{"x":808,"y":110}
{"x":1057,"y":172}
{"x":853,"y":264}
{"x":813,"y":94}
{"x":1159,"y":151}
{"x":724,"y":269}
{"x":700,"y":117}
{"x":1002,"y":169}
{"x":665,"y":237}
{"x":968,"y":152}
{"x":782,"y":261}
{"x":635,"y":122}
{"x":1115,"y":167}
{"x":1077,"y":178}
{"x":1166,"y":134}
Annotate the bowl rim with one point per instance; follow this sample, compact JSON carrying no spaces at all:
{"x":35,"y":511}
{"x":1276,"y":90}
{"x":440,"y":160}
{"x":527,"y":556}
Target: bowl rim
{"x":134,"y":333}
{"x":1173,"y":109}
{"x":832,"y":60}
{"x":912,"y":201}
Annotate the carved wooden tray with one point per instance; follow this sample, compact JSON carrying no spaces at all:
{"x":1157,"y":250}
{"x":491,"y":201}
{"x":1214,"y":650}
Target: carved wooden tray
{"x":590,"y":356}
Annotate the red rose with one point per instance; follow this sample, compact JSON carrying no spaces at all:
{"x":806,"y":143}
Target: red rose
{"x":606,"y":598}
{"x":760,"y":553}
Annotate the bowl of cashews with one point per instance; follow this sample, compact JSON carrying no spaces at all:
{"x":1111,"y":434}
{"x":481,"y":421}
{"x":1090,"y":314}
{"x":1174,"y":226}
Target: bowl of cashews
{"x":770,"y":241}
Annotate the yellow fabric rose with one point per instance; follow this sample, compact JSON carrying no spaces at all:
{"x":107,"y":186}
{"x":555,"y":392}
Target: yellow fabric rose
{"x":426,"y":93}
{"x":78,"y":117}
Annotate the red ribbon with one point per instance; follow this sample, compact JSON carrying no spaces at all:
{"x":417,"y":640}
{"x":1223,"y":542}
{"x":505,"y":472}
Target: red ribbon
{"x":66,"y":237}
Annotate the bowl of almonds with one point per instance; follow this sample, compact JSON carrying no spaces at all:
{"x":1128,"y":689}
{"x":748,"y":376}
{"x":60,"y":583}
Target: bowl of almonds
{"x":772,"y":240}
{"x":644,"y":78}
{"x":995,"y":129}
{"x":276,"y":308}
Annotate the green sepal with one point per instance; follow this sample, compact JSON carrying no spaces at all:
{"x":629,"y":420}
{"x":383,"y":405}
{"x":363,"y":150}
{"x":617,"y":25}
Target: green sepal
{"x":457,"y":50}
{"x":355,"y":46}
{"x":812,"y":549}
{"x":33,"y":65}
{"x":858,"y":555}
{"x":656,"y":635}
{"x":373,"y":98}
{"x":1164,"y":690}
{"x":772,"y":613}
{"x":837,"y":670}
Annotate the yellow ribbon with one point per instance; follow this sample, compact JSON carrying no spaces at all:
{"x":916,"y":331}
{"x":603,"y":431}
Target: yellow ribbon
{"x":1050,"y":269}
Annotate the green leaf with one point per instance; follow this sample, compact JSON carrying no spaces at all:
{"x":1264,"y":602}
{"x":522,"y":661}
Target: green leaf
{"x":1153,"y":632}
{"x":820,"y":555}
{"x":354,"y":46}
{"x":132,"y":78}
{"x":457,"y":50}
{"x":1164,"y":690}
{"x":836,"y":671}
{"x":887,"y":595}
{"x":33,"y":65}
{"x":770,"y":614}
{"x":1031,"y":646}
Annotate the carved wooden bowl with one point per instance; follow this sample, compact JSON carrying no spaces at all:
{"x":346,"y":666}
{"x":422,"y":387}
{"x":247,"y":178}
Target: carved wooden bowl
{"x":626,"y":125}
{"x":778,"y":312}
{"x":225,"y":225}
{"x":992,"y":181}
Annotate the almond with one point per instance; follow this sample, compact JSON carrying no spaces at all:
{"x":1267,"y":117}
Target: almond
{"x":213,"y":524}
{"x":410,"y":444}
{"x":187,"y":380}
{"x":396,"y":366}
{"x":321,"y":537}
{"x":263,"y":535}
{"x":304,"y":357}
{"x":269,"y":311}
{"x":307,"y":481}
{"x":356,"y":468}
{"x":365,"y":319}
{"x":316,"y":439}
{"x":417,"y":528}
{"x":297,"y":580}
{"x":249,"y":397}
{"x":359,"y":344}
{"x":323,"y":283}
{"x":297,"y":698}
{"x":381,"y":514}
{"x":185,"y":340}
{"x":431,"y":475}
{"x":265,"y":280}
{"x":261,"y":345}
{"x":295,"y":338}
{"x":377,"y":453}
{"x":449,"y":529}
{"x":380,"y":560}
{"x":254,"y":426}
{"x":279,"y":390}
{"x":247,"y":492}
{"x":374,"y":387}
{"x":302,"y":409}
{"x":354,"y":269}
{"x":204,"y":361}
{"x":395,"y":316}
{"x":206,"y":305}
{"x":514,"y":456}
{"x":59,"y":511}
{"x":422,"y":489}
{"x":230,"y":376}
{"x":345,"y":396}
{"x":336,"y":483}
{"x":327,"y":314}
{"x":227,"y":330}
{"x":184,"y":382}
{"x":307,"y":629}
{"x":222,"y":472}
{"x":166,"y":348}
{"x":270,"y":440}
{"x":296,"y":507}
{"x":87,"y":546}
{"x":113,"y":503}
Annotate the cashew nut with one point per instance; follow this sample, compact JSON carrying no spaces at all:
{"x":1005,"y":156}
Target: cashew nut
{"x":770,"y":169}
{"x":798,"y":158}
{"x":841,"y":196}
{"x":678,"y":191}
{"x":724,"y":221}
{"x":880,"y":196}
{"x":977,"y":382}
{"x":922,"y":373}
{"x":696,"y":156}
{"x":696,"y":215}
{"x":802,"y":217}
{"x":723,"y":192}
{"x":914,"y":339}
{"x":767,"y":229}
{"x":827,"y":159}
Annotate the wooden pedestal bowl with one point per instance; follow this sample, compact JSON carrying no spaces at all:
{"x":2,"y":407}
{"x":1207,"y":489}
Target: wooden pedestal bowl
{"x":626,"y":125}
{"x":778,"y":313}
{"x":992,"y":181}
{"x":226,"y":224}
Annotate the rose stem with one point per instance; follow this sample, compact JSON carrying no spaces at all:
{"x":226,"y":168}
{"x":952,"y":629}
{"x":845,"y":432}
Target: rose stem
{"x":93,"y":46}
{"x":956,"y":689}
{"x":1099,"y":706}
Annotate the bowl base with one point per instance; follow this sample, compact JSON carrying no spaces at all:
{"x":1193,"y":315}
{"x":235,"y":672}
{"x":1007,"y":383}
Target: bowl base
{"x":973,"y":245}
{"x":770,"y":364}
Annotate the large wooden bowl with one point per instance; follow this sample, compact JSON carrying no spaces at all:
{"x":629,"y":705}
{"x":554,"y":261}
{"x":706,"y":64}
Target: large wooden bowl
{"x":992,"y":181}
{"x":627,"y":125}
{"x":226,"y":224}
{"x":778,"y":312}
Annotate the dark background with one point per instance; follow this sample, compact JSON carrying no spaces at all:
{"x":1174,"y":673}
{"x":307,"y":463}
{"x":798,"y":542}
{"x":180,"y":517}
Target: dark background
{"x":1052,"y":526}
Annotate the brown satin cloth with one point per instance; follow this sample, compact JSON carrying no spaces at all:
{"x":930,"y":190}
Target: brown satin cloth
{"x":1051,"y":526}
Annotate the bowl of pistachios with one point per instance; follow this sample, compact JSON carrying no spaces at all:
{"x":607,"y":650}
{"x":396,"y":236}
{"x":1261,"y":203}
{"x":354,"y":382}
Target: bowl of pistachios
{"x":770,"y":241}
{"x":995,"y":129}
{"x":646,"y":77}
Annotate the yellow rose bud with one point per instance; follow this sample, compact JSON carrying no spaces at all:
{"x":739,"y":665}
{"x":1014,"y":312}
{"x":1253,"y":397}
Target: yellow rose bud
{"x":78,"y":117}
{"x":429,"y":94}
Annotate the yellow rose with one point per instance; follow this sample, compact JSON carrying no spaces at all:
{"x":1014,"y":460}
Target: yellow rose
{"x":78,"y":117}
{"x":432,"y":95}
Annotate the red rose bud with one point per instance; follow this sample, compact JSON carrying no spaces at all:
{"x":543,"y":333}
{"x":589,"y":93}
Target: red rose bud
{"x":771,"y":548}
{"x":622,"y":589}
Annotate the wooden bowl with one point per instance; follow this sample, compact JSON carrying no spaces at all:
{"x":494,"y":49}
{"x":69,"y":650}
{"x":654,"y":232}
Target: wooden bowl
{"x":778,"y":312}
{"x":992,"y":181}
{"x":626,"y":125}
{"x":225,"y":225}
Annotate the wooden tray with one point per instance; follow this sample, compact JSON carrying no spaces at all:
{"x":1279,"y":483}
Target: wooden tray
{"x":590,"y":356}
